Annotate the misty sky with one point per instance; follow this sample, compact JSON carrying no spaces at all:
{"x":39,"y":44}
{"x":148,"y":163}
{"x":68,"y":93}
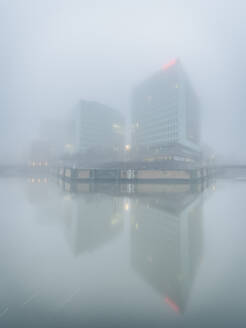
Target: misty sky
{"x":55,"y":52}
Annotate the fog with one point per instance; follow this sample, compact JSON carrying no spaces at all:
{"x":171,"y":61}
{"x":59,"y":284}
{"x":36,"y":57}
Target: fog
{"x":54,"y":53}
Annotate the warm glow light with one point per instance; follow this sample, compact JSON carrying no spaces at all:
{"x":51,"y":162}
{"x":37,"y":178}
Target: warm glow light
{"x":172,"y":304}
{"x":126,"y":207}
{"x":171,"y":63}
{"x":127,"y":147}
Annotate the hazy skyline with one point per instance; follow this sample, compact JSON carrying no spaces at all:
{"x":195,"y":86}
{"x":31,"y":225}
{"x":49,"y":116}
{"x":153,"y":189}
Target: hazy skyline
{"x":54,"y":53}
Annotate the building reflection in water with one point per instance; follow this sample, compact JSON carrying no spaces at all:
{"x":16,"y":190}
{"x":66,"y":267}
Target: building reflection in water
{"x":90,"y":219}
{"x":165,"y":228}
{"x":165,"y":231}
{"x":166,"y":240}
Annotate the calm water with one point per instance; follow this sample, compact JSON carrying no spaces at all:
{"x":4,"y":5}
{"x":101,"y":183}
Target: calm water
{"x":106,"y":256}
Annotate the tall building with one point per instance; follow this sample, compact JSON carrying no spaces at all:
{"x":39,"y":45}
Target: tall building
{"x":99,"y":128}
{"x":165,"y":115}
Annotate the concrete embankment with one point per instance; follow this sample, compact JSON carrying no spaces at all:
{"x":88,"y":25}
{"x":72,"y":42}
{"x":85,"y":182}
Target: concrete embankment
{"x":133,"y":175}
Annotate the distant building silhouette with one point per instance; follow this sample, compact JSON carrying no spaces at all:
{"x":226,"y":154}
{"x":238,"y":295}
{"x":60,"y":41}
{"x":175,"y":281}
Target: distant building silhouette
{"x":55,"y":140}
{"x":40,"y":153}
{"x":166,"y":117}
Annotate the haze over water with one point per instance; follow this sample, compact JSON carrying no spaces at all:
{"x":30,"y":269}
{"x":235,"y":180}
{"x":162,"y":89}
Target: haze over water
{"x":132,"y":254}
{"x":149,"y":255}
{"x":54,"y":53}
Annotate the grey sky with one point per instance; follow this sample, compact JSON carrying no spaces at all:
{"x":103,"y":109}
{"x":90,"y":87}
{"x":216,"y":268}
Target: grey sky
{"x":54,"y":52}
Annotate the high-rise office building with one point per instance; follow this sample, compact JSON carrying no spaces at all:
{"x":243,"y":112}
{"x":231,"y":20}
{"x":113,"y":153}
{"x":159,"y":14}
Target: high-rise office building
{"x":98,"y":128}
{"x":165,"y":115}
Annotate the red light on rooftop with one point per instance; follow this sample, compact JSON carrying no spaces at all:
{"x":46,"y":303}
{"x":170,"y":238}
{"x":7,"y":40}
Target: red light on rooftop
{"x":172,"y":304}
{"x":171,"y":63}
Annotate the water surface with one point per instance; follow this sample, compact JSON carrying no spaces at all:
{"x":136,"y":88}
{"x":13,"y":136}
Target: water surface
{"x":122,"y":256}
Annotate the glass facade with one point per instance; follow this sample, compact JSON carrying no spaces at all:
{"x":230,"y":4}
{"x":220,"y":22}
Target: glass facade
{"x":165,"y":111}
